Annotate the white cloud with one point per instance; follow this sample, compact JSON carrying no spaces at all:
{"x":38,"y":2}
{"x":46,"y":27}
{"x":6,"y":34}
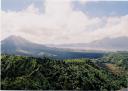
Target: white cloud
{"x":61,"y":24}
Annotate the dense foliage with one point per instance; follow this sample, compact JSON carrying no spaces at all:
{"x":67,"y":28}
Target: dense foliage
{"x":29,"y":73}
{"x":119,"y":58}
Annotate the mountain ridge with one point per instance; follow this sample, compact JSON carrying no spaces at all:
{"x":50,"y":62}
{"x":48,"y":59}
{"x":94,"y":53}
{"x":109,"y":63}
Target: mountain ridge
{"x":19,"y":46}
{"x":117,"y":44}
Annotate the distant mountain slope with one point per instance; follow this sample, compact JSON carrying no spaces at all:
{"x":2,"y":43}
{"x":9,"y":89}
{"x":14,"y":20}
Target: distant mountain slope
{"x":20,"y":46}
{"x":112,"y":43}
{"x":117,"y":44}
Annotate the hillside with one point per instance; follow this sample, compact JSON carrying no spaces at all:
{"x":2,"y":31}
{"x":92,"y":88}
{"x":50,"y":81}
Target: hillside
{"x":29,"y":73}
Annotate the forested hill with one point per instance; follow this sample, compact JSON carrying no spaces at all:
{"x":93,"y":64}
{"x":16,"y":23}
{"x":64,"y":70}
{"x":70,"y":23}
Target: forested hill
{"x":29,"y":73}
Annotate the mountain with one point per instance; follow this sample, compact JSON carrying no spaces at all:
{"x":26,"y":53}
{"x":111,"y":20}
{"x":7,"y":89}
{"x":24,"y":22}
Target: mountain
{"x":20,"y":46}
{"x":110,"y":44}
{"x":119,"y":43}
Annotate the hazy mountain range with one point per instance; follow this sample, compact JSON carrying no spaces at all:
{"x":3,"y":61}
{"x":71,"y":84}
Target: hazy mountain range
{"x":106,"y":44}
{"x":20,"y":46}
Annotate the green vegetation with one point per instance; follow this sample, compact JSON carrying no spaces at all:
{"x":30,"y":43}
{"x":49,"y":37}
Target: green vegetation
{"x":119,"y":58}
{"x":29,"y":73}
{"x":76,"y":60}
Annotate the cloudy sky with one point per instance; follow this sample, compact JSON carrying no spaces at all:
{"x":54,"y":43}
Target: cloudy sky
{"x":64,"y":21}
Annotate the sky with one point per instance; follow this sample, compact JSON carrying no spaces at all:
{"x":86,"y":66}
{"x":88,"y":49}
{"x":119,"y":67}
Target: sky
{"x":64,"y":21}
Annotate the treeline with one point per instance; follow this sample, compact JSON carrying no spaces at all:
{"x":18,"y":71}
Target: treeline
{"x":29,"y":73}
